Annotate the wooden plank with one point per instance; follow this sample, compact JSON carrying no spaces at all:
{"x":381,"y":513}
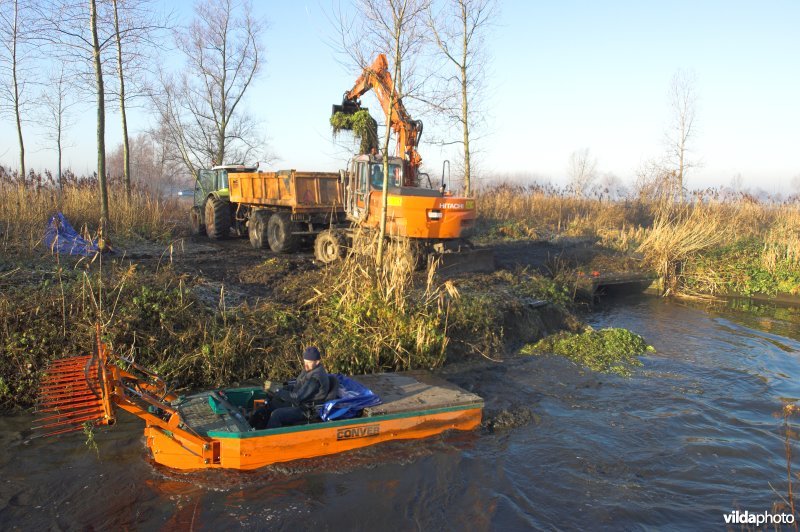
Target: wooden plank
{"x":414,"y":390}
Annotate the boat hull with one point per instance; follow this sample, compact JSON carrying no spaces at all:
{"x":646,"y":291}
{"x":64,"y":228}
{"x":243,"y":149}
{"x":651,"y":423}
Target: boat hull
{"x":255,"y":449}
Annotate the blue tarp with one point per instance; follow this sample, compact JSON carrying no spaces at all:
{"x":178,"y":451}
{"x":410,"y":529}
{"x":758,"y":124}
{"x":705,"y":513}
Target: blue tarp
{"x":61,"y":237}
{"x":353,"y":398}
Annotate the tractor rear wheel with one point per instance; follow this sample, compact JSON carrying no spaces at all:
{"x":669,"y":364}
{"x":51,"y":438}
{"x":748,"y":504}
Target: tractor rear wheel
{"x":280,"y":234}
{"x":329,"y":246}
{"x":257,"y":229}
{"x":218,"y":218}
{"x":196,"y":226}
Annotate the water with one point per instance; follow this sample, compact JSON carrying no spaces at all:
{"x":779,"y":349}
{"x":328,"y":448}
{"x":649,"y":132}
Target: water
{"x":691,"y":436}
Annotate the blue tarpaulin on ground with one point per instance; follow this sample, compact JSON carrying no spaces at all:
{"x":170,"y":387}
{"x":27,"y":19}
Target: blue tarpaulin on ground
{"x":61,"y":237}
{"x":353,"y":398}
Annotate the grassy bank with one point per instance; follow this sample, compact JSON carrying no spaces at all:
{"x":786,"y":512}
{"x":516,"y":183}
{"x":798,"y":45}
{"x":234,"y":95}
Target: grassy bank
{"x":708,"y":245}
{"x":365,"y":320}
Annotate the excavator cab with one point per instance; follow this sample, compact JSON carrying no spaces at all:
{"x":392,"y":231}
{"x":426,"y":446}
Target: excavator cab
{"x":366,"y":176}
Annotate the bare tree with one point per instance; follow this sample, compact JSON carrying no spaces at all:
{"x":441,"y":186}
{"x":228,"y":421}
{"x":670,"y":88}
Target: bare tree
{"x":15,"y":74}
{"x":101,"y":112}
{"x":152,"y":164}
{"x":796,"y":183}
{"x":581,"y":170}
{"x":654,"y":181}
{"x":458,"y":31}
{"x":610,"y":186}
{"x":57,"y":100}
{"x":737,"y":182}
{"x":683,"y":102}
{"x":137,"y":33}
{"x":78,"y":33}
{"x":396,"y":27}
{"x":126,"y":165}
{"x":202,"y":107}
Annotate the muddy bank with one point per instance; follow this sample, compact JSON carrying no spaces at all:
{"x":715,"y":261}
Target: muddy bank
{"x":210,"y":314}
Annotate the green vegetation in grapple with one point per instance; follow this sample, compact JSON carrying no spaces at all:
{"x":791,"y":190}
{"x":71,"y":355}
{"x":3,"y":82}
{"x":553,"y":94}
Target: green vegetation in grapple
{"x":363,"y":126}
{"x":607,"y":350}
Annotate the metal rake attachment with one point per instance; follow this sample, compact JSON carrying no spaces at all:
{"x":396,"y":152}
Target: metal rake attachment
{"x":73,"y":394}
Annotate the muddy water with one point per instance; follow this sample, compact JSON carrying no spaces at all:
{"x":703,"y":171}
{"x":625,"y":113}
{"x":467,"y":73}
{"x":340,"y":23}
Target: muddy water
{"x":689,"y":437}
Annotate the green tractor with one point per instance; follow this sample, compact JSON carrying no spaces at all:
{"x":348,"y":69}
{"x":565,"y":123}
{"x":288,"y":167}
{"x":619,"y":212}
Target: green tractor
{"x":213,"y":213}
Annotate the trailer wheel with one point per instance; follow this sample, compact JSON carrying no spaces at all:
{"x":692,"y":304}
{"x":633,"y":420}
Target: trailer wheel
{"x":329,"y":246}
{"x":279,"y":233}
{"x":218,"y":218}
{"x":196,"y":226}
{"x":257,"y":230}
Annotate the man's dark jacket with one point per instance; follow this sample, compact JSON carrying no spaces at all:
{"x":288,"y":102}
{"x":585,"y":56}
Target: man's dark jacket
{"x":310,"y":387}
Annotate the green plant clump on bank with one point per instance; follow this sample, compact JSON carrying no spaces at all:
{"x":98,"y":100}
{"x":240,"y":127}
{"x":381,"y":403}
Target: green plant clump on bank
{"x":743,"y":267}
{"x":607,"y":350}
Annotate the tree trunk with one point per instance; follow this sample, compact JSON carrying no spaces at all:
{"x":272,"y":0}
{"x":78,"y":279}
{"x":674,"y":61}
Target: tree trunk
{"x":385,"y":190}
{"x":126,"y":161}
{"x":465,"y":104}
{"x":101,"y":116}
{"x":465,"y":123}
{"x":14,"y":39}
{"x":58,"y":146}
{"x":385,"y":196}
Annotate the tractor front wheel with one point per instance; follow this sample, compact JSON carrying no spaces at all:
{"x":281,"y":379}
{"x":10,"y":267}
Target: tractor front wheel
{"x":329,"y":246}
{"x":218,"y":218}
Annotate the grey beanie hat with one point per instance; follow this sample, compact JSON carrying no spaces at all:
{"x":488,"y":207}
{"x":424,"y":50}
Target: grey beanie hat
{"x":311,"y":353}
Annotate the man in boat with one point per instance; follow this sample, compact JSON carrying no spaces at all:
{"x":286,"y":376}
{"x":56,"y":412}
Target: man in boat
{"x":290,"y":405}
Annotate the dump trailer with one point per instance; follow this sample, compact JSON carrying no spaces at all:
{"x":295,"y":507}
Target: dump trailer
{"x":279,"y":209}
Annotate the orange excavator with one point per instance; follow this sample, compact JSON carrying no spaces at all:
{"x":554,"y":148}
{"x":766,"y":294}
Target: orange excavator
{"x":436,"y":221}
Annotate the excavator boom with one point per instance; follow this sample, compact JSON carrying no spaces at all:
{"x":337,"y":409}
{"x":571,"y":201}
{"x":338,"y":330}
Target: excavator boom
{"x":377,"y":78}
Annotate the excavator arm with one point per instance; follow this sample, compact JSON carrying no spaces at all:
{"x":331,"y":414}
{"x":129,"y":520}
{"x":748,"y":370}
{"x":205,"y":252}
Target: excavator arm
{"x":377,"y":78}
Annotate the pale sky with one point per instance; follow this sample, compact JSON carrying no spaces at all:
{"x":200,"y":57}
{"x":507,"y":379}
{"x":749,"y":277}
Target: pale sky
{"x":564,"y":75}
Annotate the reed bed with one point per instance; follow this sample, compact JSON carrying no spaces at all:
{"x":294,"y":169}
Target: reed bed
{"x":711,"y":243}
{"x":26,"y":206}
{"x":383,"y":318}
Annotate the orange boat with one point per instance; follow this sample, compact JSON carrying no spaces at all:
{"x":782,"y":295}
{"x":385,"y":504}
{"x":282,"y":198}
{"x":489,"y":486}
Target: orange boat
{"x":209,"y":429}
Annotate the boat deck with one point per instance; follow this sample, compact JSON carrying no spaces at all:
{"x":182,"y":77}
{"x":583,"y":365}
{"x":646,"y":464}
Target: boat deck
{"x":411,"y":391}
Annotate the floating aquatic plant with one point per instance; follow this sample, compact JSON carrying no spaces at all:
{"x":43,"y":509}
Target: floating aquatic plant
{"x":607,"y":350}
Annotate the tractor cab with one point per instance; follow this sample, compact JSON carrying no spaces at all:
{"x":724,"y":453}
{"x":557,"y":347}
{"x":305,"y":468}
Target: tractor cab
{"x":211,"y":212}
{"x":215,"y":181}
